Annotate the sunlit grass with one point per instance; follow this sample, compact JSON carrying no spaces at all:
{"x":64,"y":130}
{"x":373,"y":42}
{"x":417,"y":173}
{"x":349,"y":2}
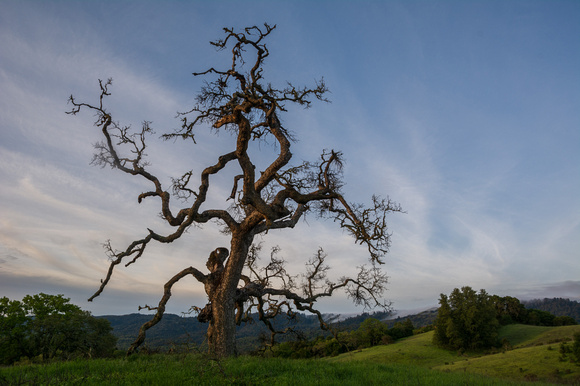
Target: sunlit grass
{"x":417,"y":350}
{"x":535,"y":355}
{"x":529,"y":363}
{"x":541,"y":335}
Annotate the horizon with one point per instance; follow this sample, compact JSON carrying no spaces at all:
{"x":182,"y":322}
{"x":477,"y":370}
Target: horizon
{"x":392,"y":313}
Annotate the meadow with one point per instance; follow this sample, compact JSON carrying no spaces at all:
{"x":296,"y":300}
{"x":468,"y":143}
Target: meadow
{"x":534,"y":355}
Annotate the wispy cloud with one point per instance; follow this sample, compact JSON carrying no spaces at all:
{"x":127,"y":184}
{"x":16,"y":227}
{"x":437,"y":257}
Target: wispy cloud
{"x":482,"y":158}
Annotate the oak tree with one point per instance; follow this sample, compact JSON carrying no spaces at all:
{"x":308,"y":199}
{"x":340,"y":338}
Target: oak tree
{"x":237,"y":99}
{"x":509,"y":310}
{"x":466,"y":320}
{"x":48,"y":326}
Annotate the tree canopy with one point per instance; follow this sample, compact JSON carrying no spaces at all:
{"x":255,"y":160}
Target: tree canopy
{"x":237,"y":98}
{"x":469,"y":320}
{"x":466,"y":320}
{"x":48,"y":326}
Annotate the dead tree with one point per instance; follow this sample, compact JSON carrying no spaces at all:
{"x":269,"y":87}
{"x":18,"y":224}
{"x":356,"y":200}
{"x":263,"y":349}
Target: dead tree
{"x":238,"y":99}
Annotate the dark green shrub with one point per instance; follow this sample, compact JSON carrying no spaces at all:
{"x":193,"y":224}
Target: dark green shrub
{"x":576,"y":346}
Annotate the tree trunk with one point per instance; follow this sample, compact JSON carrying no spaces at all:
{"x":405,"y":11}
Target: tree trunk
{"x":221,"y":333}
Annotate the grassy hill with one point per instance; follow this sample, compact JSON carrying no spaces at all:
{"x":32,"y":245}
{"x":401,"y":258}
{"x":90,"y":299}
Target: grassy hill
{"x":534,"y":355}
{"x":163,"y":369}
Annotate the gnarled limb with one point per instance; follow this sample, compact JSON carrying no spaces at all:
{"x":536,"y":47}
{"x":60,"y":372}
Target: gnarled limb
{"x":239,"y":100}
{"x":215,"y":265}
{"x":263,"y":292}
{"x":162,"y":303}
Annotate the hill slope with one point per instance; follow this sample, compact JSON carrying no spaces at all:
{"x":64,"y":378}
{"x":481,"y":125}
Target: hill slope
{"x":535,"y":355}
{"x":177,"y":331}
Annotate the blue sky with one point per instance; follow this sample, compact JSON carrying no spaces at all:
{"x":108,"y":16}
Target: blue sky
{"x":465,"y":112}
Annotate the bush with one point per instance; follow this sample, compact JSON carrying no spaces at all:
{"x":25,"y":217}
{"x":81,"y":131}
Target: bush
{"x":371,"y":332}
{"x":402,"y":330}
{"x":576,"y":347}
{"x":540,"y":318}
{"x":387,"y":339}
{"x":564,"y":321}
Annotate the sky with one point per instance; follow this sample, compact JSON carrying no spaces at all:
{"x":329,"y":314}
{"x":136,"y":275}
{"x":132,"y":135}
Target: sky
{"x":467,"y":113}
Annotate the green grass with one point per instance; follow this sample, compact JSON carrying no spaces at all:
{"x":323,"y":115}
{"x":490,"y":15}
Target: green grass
{"x":195,"y":370}
{"x":411,"y":361}
{"x":417,"y":350}
{"x":535,"y":356}
{"x":529,"y":363}
{"x":520,"y":335}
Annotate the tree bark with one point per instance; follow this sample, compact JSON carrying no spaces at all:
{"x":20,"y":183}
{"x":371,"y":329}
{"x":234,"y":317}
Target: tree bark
{"x":221,"y":333}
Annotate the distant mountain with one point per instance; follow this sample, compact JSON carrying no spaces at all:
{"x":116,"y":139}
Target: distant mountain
{"x":556,"y":306}
{"x":422,"y":319}
{"x":172,"y":330}
{"x":187,"y":332}
{"x":181,"y":332}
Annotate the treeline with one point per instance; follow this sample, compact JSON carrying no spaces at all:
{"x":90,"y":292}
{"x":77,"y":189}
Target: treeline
{"x":465,"y":320}
{"x":556,"y":306}
{"x":177,"y":333}
{"x":171,"y":331}
{"x":43,"y":327}
{"x":422,"y":319}
{"x":470,"y":320}
{"x":510,"y":310}
{"x":183,"y":333}
{"x":371,"y":332}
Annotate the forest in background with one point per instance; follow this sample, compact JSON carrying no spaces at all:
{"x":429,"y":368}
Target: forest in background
{"x":176,"y":332}
{"x":556,"y":306}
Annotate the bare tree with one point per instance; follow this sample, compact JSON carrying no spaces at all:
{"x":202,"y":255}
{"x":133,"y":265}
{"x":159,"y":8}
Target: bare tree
{"x":237,"y":99}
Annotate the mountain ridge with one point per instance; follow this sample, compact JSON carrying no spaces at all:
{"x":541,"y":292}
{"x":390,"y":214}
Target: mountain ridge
{"x":174,"y":331}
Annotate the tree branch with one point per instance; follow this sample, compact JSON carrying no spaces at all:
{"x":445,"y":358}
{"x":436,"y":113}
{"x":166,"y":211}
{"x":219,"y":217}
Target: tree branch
{"x":162,"y":303}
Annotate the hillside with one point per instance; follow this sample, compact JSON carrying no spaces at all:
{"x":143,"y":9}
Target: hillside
{"x":180,"y":332}
{"x":421,"y":319}
{"x":172,"y":329}
{"x":175,"y":331}
{"x":534,"y":355}
{"x":555,"y":306}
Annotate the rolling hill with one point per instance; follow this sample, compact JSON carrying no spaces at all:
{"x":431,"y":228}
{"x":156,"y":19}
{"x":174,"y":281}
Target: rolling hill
{"x":533,"y":355}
